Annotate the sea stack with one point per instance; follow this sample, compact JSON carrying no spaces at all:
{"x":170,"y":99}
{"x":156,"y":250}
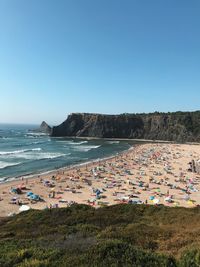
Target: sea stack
{"x":44,"y":128}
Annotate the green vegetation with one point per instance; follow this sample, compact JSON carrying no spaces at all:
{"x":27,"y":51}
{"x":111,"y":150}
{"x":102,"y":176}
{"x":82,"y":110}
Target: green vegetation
{"x":120,"y":235}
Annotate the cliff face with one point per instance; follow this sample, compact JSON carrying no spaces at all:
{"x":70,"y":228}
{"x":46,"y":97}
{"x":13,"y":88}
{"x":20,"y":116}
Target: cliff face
{"x":178,"y":126}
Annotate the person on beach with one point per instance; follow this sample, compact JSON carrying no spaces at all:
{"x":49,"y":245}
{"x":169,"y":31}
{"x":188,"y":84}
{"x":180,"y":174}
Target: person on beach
{"x":117,"y":173}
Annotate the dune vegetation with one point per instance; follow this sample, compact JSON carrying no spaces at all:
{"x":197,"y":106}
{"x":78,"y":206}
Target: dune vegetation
{"x":120,"y":235}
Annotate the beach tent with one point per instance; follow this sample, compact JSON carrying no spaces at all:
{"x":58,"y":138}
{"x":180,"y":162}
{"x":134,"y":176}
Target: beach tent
{"x":24,"y":208}
{"x":28,"y":194}
{"x":16,"y":191}
{"x":135,"y":201}
{"x":34,"y":197}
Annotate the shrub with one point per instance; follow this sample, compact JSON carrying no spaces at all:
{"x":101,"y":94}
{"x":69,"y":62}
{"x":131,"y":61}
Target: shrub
{"x":190,"y":258}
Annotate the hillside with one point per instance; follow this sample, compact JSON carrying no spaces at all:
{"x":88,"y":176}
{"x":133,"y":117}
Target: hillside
{"x":177,"y":126}
{"x":121,"y":235}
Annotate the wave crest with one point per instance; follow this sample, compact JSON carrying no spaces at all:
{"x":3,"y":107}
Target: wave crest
{"x":4,"y":164}
{"x":44,"y":155}
{"x":85,"y":148}
{"x":2,"y":153}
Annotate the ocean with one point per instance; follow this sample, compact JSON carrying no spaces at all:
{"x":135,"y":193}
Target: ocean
{"x":24,"y":152}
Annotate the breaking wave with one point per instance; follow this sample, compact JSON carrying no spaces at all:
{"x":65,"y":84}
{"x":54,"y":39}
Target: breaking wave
{"x":2,"y":153}
{"x":113,"y":142}
{"x":72,"y":142}
{"x":36,"y":134}
{"x":4,"y":164}
{"x":44,"y":155}
{"x":78,"y":143}
{"x":85,"y":148}
{"x":37,"y":152}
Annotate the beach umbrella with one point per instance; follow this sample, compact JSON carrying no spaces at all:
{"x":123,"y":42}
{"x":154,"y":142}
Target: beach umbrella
{"x":151,"y":197}
{"x":190,"y":202}
{"x":157,"y":190}
{"x":156,"y":201}
{"x":186,"y":198}
{"x":24,"y":208}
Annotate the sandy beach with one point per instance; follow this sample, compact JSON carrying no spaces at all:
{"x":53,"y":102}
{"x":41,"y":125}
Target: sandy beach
{"x":149,"y":173}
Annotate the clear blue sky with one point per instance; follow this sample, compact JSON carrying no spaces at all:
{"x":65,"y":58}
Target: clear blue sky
{"x":104,"y":56}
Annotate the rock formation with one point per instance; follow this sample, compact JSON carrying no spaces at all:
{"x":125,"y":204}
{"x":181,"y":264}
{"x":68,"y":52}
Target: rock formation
{"x":177,"y":126}
{"x":44,"y":128}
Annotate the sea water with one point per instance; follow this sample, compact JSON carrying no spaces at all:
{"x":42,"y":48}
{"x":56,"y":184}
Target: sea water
{"x":24,"y":152}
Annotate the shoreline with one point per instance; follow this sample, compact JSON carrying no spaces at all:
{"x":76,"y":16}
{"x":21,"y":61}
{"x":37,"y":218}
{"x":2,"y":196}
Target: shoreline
{"x":151,"y":173}
{"x":64,"y":168}
{"x":69,"y":167}
{"x":47,"y":172}
{"x":113,"y":139}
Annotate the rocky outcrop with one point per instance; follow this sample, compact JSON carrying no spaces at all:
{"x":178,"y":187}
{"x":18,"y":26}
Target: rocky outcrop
{"x":44,"y":128}
{"x":178,"y":126}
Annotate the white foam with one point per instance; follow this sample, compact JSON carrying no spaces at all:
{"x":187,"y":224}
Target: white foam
{"x":83,"y":142}
{"x":42,"y":141}
{"x":65,"y":141}
{"x":36,"y":149}
{"x":36,"y":134}
{"x":4,"y":164}
{"x":39,"y":156}
{"x":36,"y":143}
{"x":113,"y":142}
{"x":29,"y":136}
{"x":72,"y":142}
{"x":85,"y":148}
{"x":2,"y":153}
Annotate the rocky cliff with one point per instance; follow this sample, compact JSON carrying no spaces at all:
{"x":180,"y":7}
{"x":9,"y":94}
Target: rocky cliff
{"x":177,"y":126}
{"x":44,"y":128}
